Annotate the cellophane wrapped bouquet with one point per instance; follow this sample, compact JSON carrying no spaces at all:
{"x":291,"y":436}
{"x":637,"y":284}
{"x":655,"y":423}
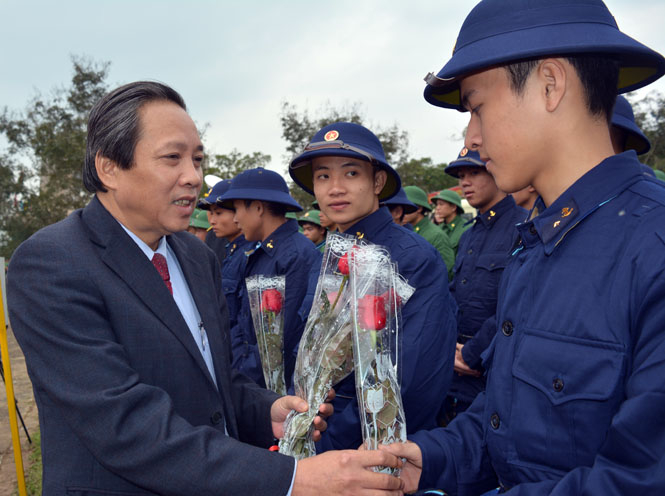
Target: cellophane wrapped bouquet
{"x":325,"y":353}
{"x":378,"y":292}
{"x":266,"y":297}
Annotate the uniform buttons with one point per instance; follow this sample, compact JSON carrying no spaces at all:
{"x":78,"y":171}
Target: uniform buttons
{"x":557,"y":384}
{"x":532,"y":230}
{"x":495,"y":421}
{"x":463,"y":281}
{"x":216,"y":418}
{"x":470,"y":251}
{"x":507,"y":328}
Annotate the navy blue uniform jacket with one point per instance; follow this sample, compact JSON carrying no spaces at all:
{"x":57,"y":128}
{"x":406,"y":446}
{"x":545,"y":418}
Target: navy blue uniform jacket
{"x":126,"y":402}
{"x":575,"y":397}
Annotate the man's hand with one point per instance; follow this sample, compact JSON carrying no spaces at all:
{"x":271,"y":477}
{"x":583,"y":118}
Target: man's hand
{"x":283,"y":406}
{"x":413,"y":467}
{"x":460,"y":365}
{"x":346,"y":473}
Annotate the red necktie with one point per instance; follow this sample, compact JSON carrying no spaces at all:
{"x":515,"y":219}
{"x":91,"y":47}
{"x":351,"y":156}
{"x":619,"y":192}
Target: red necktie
{"x":159,"y":261}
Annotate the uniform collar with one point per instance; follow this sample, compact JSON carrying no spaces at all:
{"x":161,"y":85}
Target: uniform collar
{"x":422,"y":224}
{"x":232,"y":246}
{"x":372,"y":224}
{"x":456,"y":221}
{"x":594,"y":189}
{"x":270,"y":244}
{"x":489,"y":218}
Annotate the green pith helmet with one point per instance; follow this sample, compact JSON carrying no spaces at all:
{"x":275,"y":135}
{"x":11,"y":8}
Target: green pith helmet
{"x":199,"y":219}
{"x":313,"y":216}
{"x":291,"y":215}
{"x":451,"y":197}
{"x":418,"y":196}
{"x":659,"y":174}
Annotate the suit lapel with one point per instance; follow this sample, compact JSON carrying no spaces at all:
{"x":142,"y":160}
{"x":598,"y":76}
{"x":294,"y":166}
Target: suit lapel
{"x":127,"y":260}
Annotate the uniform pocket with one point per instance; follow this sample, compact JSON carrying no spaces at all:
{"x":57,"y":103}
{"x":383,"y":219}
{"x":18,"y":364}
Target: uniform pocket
{"x":566,"y":391}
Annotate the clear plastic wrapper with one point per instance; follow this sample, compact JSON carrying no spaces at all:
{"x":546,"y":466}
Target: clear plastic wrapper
{"x":325,"y":353}
{"x":266,"y":299}
{"x":378,"y":292}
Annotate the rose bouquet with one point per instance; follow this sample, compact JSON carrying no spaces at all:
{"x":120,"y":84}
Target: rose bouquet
{"x":378,"y":292}
{"x":325,"y":353}
{"x":266,"y":295}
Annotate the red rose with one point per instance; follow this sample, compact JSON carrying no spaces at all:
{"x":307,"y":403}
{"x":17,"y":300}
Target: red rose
{"x":271,"y":301}
{"x":372,"y":312}
{"x":392,"y":299}
{"x":343,"y":264}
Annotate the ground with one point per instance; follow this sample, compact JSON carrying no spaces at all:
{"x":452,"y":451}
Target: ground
{"x":26,"y":403}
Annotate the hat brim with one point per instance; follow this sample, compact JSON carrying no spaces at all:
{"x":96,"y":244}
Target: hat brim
{"x":300,"y":170}
{"x":635,"y":139}
{"x":205,"y":204}
{"x":639,"y":65}
{"x":264,"y":195}
{"x":453,"y":167}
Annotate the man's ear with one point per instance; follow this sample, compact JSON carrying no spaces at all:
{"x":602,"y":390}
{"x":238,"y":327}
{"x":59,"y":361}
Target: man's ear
{"x":107,"y":171}
{"x":380,"y":178}
{"x":259,"y":205}
{"x":553,"y":76}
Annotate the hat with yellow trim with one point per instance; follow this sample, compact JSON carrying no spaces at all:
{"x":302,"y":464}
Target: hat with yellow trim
{"x":466,"y":158}
{"x":313,"y":217}
{"x":502,"y":31}
{"x":451,"y":197}
{"x":199,"y":219}
{"x":213,"y":195}
{"x":343,"y":139}
{"x":623,"y":117}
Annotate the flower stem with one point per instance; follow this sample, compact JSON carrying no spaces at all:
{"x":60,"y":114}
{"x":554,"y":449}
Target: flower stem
{"x":339,"y":293}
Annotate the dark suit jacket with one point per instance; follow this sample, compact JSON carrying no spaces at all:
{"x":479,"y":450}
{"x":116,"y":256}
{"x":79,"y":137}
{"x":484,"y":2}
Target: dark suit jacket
{"x":126,"y":403}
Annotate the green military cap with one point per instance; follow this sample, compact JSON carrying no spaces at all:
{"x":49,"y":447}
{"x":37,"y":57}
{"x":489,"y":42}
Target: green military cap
{"x":451,"y":197}
{"x":313,"y":216}
{"x":291,"y":215}
{"x":418,"y":196}
{"x":199,"y":219}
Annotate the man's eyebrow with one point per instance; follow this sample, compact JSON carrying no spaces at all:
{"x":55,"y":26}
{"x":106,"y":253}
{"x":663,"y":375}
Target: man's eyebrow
{"x":319,"y":167}
{"x":180,"y":145}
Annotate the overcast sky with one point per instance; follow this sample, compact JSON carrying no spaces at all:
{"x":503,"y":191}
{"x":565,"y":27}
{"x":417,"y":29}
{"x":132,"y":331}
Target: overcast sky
{"x":236,"y":62}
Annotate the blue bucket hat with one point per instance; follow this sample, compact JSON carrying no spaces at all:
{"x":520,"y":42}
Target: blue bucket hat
{"x":343,"y":139}
{"x":263,"y":185}
{"x":401,"y":199}
{"x":502,"y":31}
{"x":466,"y":158}
{"x":624,"y":118}
{"x":213,"y":195}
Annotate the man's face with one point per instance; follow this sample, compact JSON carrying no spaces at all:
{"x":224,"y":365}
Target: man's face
{"x":249,"y":219}
{"x":397,"y":211}
{"x":157,"y":195}
{"x":325,"y":221}
{"x":444,"y":210}
{"x":222,"y":223}
{"x":346,"y":189}
{"x":479,"y":188}
{"x":504,"y":127}
{"x":414,"y":217}
{"x":313,"y":232}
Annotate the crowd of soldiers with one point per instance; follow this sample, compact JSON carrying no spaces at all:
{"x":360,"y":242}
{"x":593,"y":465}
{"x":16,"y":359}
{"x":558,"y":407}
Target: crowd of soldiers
{"x":531,"y":354}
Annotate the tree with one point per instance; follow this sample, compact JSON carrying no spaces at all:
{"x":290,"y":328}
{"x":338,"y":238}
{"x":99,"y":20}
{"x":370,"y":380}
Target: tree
{"x":424,"y":173}
{"x":227,"y":166}
{"x":45,"y":153}
{"x":299,"y":127}
{"x":650,"y":118}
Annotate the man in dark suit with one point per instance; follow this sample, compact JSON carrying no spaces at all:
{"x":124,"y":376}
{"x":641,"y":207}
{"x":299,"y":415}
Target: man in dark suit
{"x":130,"y":360}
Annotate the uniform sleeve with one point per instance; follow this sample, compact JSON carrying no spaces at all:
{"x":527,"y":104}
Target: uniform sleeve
{"x":479,"y":342}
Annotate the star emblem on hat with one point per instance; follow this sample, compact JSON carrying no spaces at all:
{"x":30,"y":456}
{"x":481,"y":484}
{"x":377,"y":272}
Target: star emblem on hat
{"x":464,"y":151}
{"x":331,"y":135}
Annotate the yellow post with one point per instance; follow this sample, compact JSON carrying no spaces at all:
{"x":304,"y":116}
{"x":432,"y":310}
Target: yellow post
{"x":11,"y":404}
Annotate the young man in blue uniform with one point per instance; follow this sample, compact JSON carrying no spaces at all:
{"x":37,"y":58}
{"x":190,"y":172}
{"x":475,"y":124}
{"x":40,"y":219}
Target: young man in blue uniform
{"x":261,"y":200}
{"x":484,"y":251}
{"x":399,"y":206}
{"x":575,"y":396}
{"x":236,"y":249}
{"x":344,"y":166}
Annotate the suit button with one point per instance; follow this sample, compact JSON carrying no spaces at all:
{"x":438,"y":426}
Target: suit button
{"x":216,"y":418}
{"x":507,"y":328}
{"x":495,"y":422}
{"x":557,"y":385}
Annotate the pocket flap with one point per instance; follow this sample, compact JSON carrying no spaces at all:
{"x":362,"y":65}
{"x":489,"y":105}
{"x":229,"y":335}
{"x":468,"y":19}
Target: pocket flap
{"x":492,"y":261}
{"x":567,"y":369}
